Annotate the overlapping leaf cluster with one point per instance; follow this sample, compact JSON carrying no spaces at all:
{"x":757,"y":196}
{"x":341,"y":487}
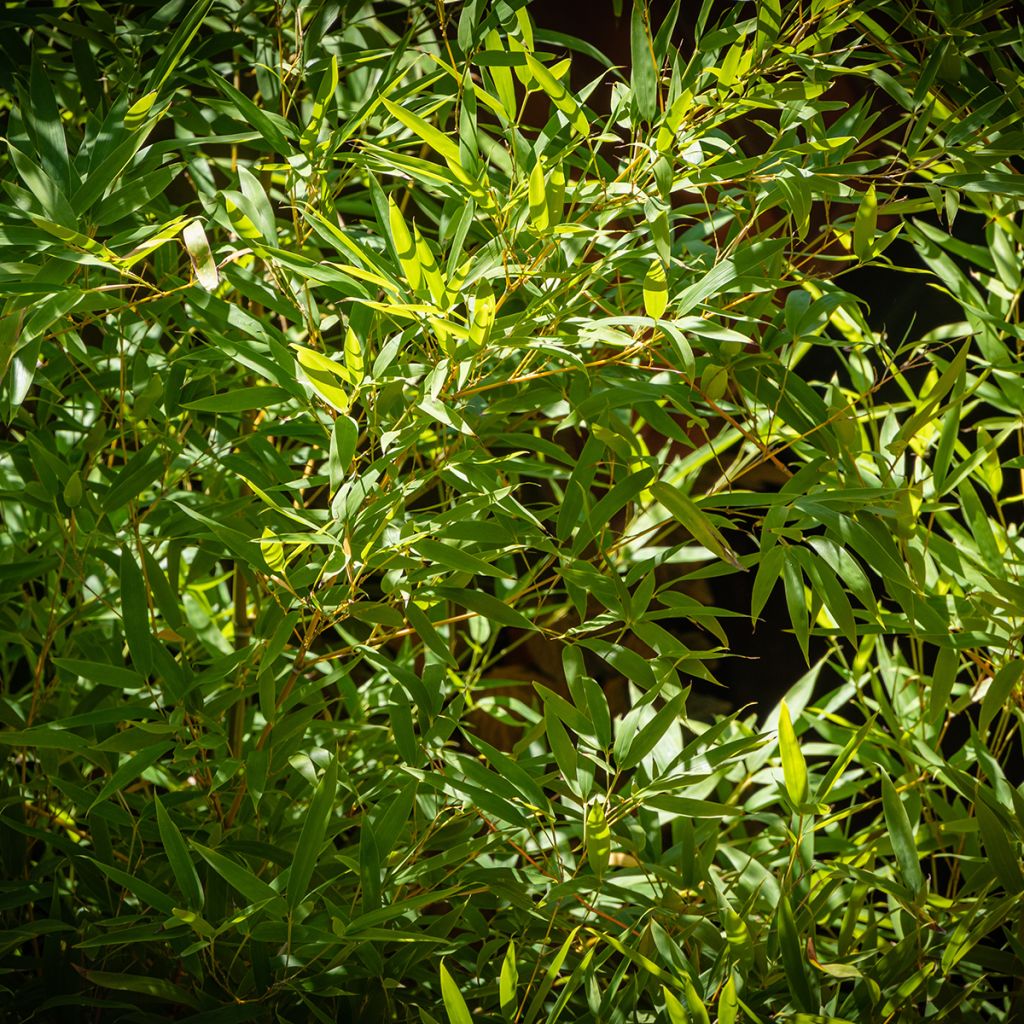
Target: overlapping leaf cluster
{"x":381,"y":405}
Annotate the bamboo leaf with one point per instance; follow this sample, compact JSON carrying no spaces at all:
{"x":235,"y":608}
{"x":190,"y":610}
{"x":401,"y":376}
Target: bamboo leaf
{"x":238,"y":877}
{"x":655,"y":290}
{"x":558,"y":94}
{"x":145,"y":984}
{"x":135,"y":613}
{"x":864,"y":225}
{"x":203,"y":263}
{"x":1002,"y":853}
{"x":902,"y":836}
{"x":404,"y":246}
{"x":793,"y":956}
{"x":696,"y":521}
{"x":177,"y":853}
{"x":794,"y":768}
{"x":597,"y":839}
{"x":643,"y":69}
{"x":311,"y":838}
{"x":454,"y":1004}
{"x":508,"y":982}
{"x":539,"y":213}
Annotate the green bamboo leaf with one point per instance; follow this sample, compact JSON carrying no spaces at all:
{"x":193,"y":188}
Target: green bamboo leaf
{"x":562,"y":747}
{"x":435,"y":139}
{"x":556,"y":194}
{"x":403,"y":729}
{"x":344,"y":438}
{"x":597,"y":839}
{"x":768,"y":572}
{"x":697,"y":1011}
{"x":520,"y":47}
{"x":74,"y":490}
{"x":842,"y":761}
{"x":639,"y":744}
{"x":355,"y":368}
{"x":311,"y":838}
{"x":507,"y":984}
{"x":271,"y":126}
{"x":272,"y":550}
{"x":700,"y":526}
{"x":901,"y":835}
{"x":796,"y":602}
{"x":258,"y":204}
{"x":997,"y":695}
{"x":324,"y":375}
{"x":144,"y":984}
{"x":482,"y":315}
{"x":420,"y":622}
{"x":324,"y":94}
{"x":454,"y":1004}
{"x":624,"y":492}
{"x":828,"y":587}
{"x":236,"y":206}
{"x":404,"y":246}
{"x":370,"y":865}
{"x":864,"y":225}
{"x":501,"y":76}
{"x":51,"y":197}
{"x":947,"y":665}
{"x":239,"y":400}
{"x":457,"y":559}
{"x":792,"y":952}
{"x":737,"y":934}
{"x":183,"y":869}
{"x":43,"y":737}
{"x":138,"y":113}
{"x":433,"y":278}
{"x":135,"y":613}
{"x":129,"y":771}
{"x":655,"y":290}
{"x":691,"y":808}
{"x":203,"y":264}
{"x":676,"y":1011}
{"x":559,"y":95}
{"x":794,"y":768}
{"x":42,"y":117}
{"x":539,"y":212}
{"x":240,"y":878}
{"x":179,"y":43}
{"x":550,"y":975}
{"x":643,"y":68}
{"x":980,"y":526}
{"x":769,"y":23}
{"x":1002,"y":854}
{"x":149,"y":894}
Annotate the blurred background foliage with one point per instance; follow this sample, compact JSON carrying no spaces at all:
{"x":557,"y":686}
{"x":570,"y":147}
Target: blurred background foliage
{"x":436,"y":436}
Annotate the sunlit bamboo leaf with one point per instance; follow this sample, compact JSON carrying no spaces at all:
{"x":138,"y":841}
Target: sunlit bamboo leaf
{"x":695,"y":520}
{"x":655,"y":290}
{"x":203,"y":263}
{"x":508,"y":982}
{"x":558,"y":94}
{"x":539,"y":213}
{"x":454,"y":1003}
{"x":597,"y":839}
{"x":794,"y":768}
